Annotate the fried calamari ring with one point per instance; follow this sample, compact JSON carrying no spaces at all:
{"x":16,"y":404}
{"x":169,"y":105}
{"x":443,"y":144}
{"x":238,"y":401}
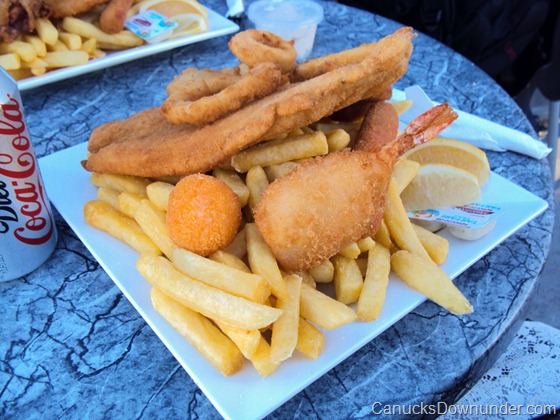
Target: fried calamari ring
{"x":203,"y":214}
{"x":321,"y":65}
{"x":193,"y":84}
{"x":261,"y":80}
{"x":253,"y":46}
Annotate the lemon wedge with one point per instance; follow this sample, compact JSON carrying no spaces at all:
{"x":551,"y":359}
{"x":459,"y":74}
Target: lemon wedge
{"x":189,"y":24}
{"x":453,"y":152}
{"x":440,"y":185}
{"x":171,"y":8}
{"x":191,"y":16}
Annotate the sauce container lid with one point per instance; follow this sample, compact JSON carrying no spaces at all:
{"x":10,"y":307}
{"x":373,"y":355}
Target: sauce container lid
{"x":285,"y":12}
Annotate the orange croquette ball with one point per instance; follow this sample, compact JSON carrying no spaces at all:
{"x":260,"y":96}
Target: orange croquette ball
{"x":203,"y":214}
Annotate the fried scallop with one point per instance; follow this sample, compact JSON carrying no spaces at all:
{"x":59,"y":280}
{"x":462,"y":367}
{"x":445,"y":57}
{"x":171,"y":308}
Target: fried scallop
{"x":203,"y":214}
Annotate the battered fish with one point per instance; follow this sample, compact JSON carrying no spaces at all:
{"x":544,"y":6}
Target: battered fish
{"x":147,"y":145}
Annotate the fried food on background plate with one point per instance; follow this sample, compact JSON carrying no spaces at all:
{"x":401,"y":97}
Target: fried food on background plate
{"x":113,"y":17}
{"x":18,"y":17}
{"x":63,"y":8}
{"x":146,"y":144}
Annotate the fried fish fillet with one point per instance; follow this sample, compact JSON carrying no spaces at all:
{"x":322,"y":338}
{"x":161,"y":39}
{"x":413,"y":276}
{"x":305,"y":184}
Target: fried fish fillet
{"x":147,"y":145}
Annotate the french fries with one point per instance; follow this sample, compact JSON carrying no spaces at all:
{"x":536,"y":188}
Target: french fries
{"x":206,"y":300}
{"x":73,"y":42}
{"x":61,"y":58}
{"x":285,"y":329}
{"x":234,"y":181}
{"x":323,"y":273}
{"x":121,"y":183}
{"x":237,"y":282}
{"x":276,"y":171}
{"x":152,"y":221}
{"x":102,"y":216}
{"x":372,"y":295}
{"x":436,"y":246}
{"x":238,"y":303}
{"x":404,"y":171}
{"x":257,"y":182}
{"x":337,"y":139}
{"x":158,"y":193}
{"x":348,"y":280}
{"x":311,"y":341}
{"x":262,"y":261}
{"x":230,"y":260}
{"x":282,"y":150}
{"x":24,"y":50}
{"x":10,"y":61}
{"x":247,"y":341}
{"x":323,"y":310}
{"x":399,"y":225}
{"x":109,"y":196}
{"x":37,"y":43}
{"x":426,"y":277}
{"x":216,"y":347}
{"x":121,"y":40}
{"x":261,"y":359}
{"x":402,"y":106}
{"x":351,"y":251}
{"x":128,"y":203}
{"x":47,"y":31}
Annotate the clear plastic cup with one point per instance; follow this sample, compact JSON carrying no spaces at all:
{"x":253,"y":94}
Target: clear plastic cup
{"x":295,"y":20}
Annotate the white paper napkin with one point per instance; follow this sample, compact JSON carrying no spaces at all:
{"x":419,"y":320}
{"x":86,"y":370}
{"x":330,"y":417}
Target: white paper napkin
{"x":473,"y":129}
{"x":235,"y":8}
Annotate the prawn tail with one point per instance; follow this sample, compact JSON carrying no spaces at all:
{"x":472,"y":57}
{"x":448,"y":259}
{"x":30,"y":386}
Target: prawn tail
{"x":424,"y":127}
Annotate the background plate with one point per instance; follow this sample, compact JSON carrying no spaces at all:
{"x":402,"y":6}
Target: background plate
{"x":245,"y":394}
{"x":217,"y":26}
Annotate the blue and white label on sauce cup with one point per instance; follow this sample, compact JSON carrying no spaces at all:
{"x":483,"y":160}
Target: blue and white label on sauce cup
{"x":151,"y":26}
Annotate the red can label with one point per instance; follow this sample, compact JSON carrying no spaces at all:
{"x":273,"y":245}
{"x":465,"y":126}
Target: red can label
{"x":27,"y":230}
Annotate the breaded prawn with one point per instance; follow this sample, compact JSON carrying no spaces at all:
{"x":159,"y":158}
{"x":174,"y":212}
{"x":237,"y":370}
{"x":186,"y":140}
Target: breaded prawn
{"x":329,"y":202}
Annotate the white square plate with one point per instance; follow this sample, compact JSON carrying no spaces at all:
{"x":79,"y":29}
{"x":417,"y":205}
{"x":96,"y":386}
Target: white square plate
{"x":217,"y":26}
{"x":246,"y":394}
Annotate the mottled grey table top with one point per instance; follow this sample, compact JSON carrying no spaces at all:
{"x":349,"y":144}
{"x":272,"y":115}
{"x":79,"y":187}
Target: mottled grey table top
{"x":73,"y":346}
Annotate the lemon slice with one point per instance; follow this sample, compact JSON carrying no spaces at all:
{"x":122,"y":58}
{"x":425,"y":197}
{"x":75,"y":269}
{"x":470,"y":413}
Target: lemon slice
{"x":171,"y":8}
{"x":189,"y":24}
{"x":438,"y":185}
{"x":453,"y":152}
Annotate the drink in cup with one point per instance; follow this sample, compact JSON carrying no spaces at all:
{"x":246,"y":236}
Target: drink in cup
{"x":27,"y":230}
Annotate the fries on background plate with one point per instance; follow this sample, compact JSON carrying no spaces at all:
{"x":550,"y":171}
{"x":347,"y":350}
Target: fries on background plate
{"x":68,"y":33}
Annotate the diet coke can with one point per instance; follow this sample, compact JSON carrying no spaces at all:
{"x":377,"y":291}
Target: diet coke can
{"x":27,"y":230}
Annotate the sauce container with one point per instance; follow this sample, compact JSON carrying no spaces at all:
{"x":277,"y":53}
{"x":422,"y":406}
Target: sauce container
{"x":295,"y":20}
